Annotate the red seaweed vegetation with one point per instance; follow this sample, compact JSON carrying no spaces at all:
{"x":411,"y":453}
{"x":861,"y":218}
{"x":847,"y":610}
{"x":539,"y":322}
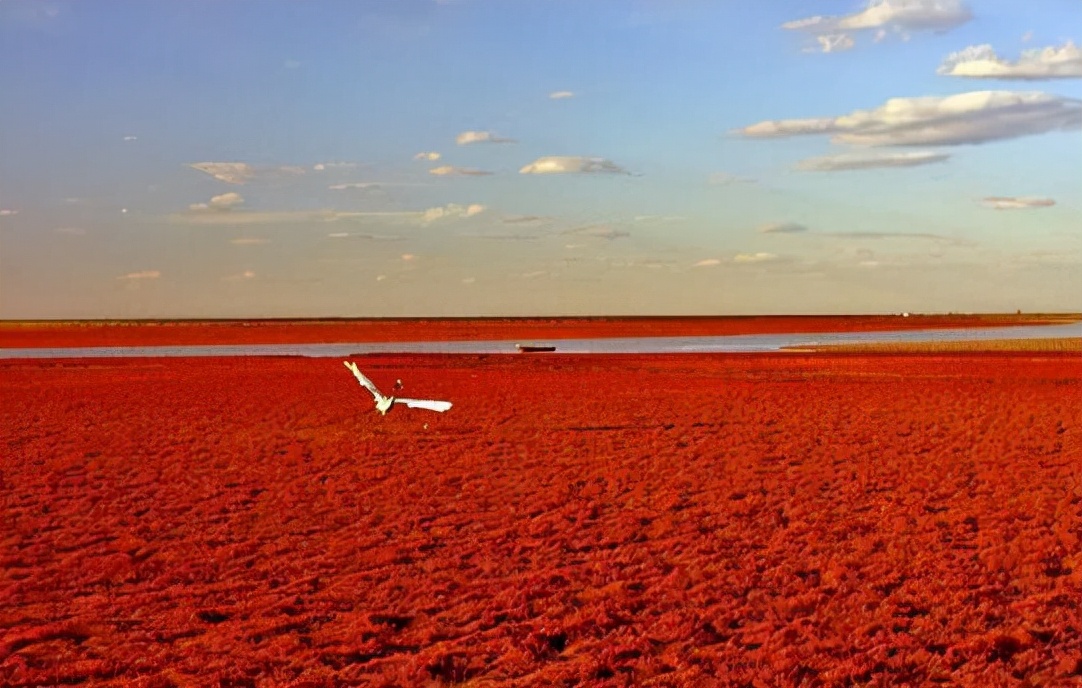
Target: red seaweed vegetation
{"x":775,"y":520}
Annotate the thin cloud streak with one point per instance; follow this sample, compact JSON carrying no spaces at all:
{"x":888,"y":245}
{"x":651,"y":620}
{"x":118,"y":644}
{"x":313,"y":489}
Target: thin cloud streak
{"x":467,"y":138}
{"x":572,"y":164}
{"x":141,"y":275}
{"x":848,"y":162}
{"x":965,"y":118}
{"x":782,"y":228}
{"x":452,"y":171}
{"x":1016,"y":202}
{"x":920,"y":236}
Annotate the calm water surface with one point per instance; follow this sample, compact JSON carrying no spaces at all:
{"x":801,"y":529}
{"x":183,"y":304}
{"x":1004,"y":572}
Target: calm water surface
{"x":620,"y":345}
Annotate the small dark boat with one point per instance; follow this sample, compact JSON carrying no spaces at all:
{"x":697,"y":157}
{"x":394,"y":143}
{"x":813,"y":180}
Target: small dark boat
{"x":534,"y":348}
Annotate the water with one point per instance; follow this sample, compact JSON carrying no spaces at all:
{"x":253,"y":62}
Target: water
{"x":746,"y":343}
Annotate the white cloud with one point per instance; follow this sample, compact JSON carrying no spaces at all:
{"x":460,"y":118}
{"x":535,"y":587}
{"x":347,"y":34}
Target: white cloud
{"x":500,"y":236}
{"x":753,"y":257}
{"x":707,"y":263}
{"x":599,"y":231}
{"x":1027,"y":37}
{"x":782,"y":228}
{"x":242,"y":217}
{"x":246,"y":275}
{"x":564,"y":164}
{"x":726,"y":179}
{"x":368,"y":186}
{"x":468,"y":137}
{"x":430,"y":156}
{"x":221,"y":203}
{"x":8,"y":212}
{"x":778,"y":128}
{"x":131,"y":138}
{"x":325,"y":166}
{"x":407,"y":257}
{"x":145,"y":274}
{"x":900,"y":15}
{"x":229,"y":172}
{"x":525,"y":219}
{"x":561,"y":95}
{"x":982,"y":62}
{"x":1016,"y":202}
{"x":355,"y":185}
{"x":363,"y":235}
{"x":849,"y":161}
{"x":451,"y":211}
{"x":974,"y":117}
{"x":653,"y":219}
{"x":903,"y":236}
{"x":835,"y":42}
{"x":452,"y":171}
{"x":242,"y":172}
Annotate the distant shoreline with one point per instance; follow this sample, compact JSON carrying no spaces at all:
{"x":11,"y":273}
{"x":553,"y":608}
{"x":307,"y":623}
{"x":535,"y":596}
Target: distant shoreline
{"x":75,"y":333}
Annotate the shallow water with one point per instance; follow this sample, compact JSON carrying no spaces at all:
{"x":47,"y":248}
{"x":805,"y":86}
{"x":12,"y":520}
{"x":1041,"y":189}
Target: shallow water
{"x":747,"y":343}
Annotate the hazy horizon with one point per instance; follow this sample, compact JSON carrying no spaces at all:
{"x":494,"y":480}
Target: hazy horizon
{"x":472,"y":158}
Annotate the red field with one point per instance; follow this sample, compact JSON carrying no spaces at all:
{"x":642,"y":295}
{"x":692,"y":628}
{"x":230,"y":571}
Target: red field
{"x":613,"y":520}
{"x":166,"y":332}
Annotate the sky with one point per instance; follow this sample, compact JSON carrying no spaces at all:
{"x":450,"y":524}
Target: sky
{"x":289,"y":158}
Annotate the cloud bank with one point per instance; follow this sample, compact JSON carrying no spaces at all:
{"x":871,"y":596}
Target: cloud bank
{"x":965,"y":118}
{"x":561,"y":95}
{"x":982,"y":62}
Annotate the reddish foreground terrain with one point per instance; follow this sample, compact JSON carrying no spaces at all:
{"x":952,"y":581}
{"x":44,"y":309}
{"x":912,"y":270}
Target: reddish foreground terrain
{"x":677,"y":520}
{"x":15,"y":334}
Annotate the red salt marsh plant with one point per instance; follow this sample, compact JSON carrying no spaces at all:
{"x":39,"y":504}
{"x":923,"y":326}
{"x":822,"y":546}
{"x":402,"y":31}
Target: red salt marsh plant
{"x":750,"y":520}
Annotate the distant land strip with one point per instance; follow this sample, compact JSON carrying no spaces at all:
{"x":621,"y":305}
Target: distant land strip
{"x":70,"y":333}
{"x":1052,"y":345}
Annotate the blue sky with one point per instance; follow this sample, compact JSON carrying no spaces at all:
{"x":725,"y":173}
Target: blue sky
{"x":256,"y":159}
